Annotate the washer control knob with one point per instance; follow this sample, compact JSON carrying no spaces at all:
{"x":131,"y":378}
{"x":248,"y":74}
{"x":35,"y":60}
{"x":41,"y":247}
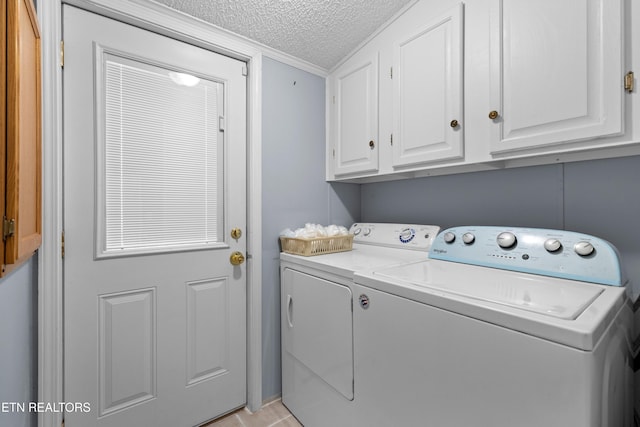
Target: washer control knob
{"x":506,"y":240}
{"x":366,"y":231}
{"x":468,"y":238}
{"x":449,"y":237}
{"x":552,"y":245}
{"x":583,"y":248}
{"x":357,"y":231}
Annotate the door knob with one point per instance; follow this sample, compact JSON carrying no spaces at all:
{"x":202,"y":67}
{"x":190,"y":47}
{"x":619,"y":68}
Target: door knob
{"x":372,"y":144}
{"x":454,"y":124}
{"x":493,"y":115}
{"x":236,"y":258}
{"x":236,"y":233}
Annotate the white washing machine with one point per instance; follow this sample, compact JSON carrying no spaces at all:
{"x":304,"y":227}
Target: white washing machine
{"x":501,"y":327}
{"x":317,"y":325}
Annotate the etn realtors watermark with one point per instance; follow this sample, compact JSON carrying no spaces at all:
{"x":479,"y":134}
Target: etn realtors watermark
{"x":67,"y":407}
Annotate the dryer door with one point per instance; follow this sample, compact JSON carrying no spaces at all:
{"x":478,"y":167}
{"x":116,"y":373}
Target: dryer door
{"x":317,"y":327}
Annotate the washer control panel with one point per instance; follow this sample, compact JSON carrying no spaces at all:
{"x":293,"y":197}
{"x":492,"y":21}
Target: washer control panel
{"x":406,"y":236}
{"x":556,"y":253}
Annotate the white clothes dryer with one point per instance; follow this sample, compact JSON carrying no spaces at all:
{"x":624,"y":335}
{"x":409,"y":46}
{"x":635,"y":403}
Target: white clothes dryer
{"x":500,"y":327}
{"x":316,"y":319}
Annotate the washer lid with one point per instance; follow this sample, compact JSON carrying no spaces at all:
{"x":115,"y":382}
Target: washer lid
{"x":565,"y":311}
{"x":559,"y":298}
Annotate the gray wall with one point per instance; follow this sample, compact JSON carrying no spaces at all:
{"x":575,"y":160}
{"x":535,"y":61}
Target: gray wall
{"x":19,"y":343}
{"x":293,"y":187}
{"x":600,"y":197}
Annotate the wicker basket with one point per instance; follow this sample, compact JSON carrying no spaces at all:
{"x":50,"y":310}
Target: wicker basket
{"x":316,"y":246}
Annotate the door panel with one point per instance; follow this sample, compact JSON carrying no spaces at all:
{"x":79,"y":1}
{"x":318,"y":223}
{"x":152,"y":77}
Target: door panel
{"x":207,"y":326}
{"x":154,"y":312}
{"x":127,"y":344}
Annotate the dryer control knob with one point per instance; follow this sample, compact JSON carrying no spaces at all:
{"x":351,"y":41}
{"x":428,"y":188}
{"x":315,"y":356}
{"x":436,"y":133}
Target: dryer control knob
{"x":552,"y":245}
{"x":407,"y":235}
{"x":468,"y":238}
{"x":366,"y":231}
{"x":506,"y":240}
{"x":583,"y":248}
{"x":449,"y":237}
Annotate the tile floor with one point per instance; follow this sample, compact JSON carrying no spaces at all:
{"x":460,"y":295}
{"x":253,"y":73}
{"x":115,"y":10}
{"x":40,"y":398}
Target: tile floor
{"x":273,"y":414}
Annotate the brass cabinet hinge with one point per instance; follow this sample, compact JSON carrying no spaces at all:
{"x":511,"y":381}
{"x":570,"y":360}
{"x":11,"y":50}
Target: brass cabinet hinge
{"x":8,"y":227}
{"x":391,"y":72}
{"x":62,"y":53}
{"x":391,"y":139}
{"x":629,"y":82}
{"x":62,"y":245}
{"x":334,"y":153}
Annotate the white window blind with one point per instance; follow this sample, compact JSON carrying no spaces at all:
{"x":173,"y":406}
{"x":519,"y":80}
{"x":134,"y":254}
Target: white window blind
{"x":163,"y":159}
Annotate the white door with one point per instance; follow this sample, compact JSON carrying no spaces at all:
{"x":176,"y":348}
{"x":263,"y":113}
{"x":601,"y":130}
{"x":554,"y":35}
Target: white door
{"x":427,"y":92}
{"x":154,"y":182}
{"x":356,"y":113}
{"x":556,"y":72}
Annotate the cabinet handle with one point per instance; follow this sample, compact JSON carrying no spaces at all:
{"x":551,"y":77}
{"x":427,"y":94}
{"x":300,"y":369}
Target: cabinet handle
{"x":454,"y":123}
{"x":493,"y":115}
{"x":372,"y":144}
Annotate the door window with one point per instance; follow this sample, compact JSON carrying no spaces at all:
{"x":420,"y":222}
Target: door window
{"x":162,"y":164}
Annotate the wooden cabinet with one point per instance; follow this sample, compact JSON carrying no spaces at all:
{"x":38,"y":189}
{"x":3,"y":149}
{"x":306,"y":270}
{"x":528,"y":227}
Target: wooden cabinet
{"x":556,"y":72}
{"x":427,"y":92}
{"x":21,"y":133}
{"x":355,"y":107}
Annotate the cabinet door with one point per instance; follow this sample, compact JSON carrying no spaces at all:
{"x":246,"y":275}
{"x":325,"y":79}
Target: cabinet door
{"x":23,"y":143}
{"x":556,"y":72}
{"x":427,"y":92}
{"x":3,"y":121}
{"x":356,"y":116}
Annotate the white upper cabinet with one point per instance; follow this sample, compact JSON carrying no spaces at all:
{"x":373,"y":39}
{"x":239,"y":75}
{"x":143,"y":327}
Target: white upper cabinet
{"x":355,"y":109}
{"x":449,"y":86}
{"x":427,"y":92}
{"x":556,"y":72}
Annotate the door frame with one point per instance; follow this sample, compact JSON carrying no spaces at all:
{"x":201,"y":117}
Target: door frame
{"x":159,"y":19}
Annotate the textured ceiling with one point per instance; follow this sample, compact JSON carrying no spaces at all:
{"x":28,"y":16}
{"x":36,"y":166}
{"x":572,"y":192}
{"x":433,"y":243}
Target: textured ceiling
{"x":321,"y":32}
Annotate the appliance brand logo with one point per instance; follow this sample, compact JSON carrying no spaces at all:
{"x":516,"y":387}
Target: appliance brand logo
{"x":440,"y":251}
